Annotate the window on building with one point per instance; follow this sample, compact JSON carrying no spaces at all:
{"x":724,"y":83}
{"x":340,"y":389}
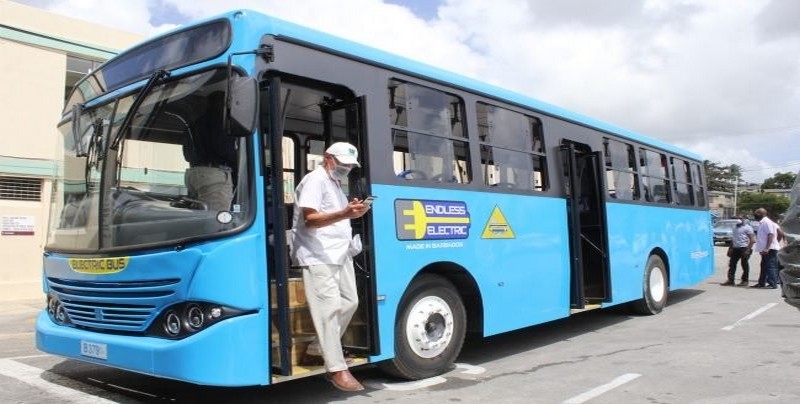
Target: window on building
{"x":512,"y":149}
{"x":428,"y":134}
{"x":21,"y":189}
{"x":622,"y":179}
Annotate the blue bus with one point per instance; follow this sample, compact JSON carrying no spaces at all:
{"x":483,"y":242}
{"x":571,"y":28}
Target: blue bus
{"x":494,"y":211}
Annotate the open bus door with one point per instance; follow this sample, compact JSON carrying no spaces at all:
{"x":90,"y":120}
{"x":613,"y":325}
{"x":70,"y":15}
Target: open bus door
{"x":295,"y":138}
{"x":344,"y":122}
{"x":586,"y":214}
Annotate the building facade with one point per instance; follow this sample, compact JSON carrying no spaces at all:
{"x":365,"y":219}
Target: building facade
{"x":42,"y":55}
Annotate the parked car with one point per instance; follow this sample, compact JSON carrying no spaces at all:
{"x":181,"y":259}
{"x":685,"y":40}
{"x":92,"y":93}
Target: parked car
{"x":723,"y":231}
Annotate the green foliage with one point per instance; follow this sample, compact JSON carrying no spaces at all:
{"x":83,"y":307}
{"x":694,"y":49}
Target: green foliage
{"x":779,"y":181}
{"x":775,"y":205}
{"x":721,"y":178}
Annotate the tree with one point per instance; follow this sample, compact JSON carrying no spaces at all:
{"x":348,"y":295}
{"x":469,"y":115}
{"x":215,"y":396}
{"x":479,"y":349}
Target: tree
{"x":721,"y":178}
{"x":716,"y":177}
{"x":775,"y":205}
{"x":779,"y":181}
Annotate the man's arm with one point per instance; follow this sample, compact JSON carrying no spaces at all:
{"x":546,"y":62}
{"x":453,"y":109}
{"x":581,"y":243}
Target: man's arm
{"x":770,"y":237}
{"x":315,"y":219}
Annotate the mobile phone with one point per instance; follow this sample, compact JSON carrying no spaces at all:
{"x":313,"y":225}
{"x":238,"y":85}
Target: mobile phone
{"x":368,"y":200}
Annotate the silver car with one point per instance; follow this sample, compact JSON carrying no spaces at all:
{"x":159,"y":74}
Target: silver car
{"x":723,"y":231}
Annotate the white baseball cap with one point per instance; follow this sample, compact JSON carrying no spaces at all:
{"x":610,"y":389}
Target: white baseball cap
{"x":344,"y":152}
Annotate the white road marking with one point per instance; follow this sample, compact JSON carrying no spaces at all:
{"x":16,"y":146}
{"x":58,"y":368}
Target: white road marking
{"x":407,"y":386}
{"x":584,"y":397}
{"x":33,"y":376}
{"x":749,"y":316}
{"x":470,"y":369}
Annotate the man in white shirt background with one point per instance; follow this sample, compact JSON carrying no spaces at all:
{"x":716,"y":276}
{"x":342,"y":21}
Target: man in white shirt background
{"x":767,"y":246}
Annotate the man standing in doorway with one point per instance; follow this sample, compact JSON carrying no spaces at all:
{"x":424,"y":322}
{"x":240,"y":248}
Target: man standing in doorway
{"x":321,"y":238}
{"x":767,"y":245}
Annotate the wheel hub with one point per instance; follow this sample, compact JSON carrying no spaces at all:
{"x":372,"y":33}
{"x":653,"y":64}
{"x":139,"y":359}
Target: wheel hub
{"x":429,"y":327}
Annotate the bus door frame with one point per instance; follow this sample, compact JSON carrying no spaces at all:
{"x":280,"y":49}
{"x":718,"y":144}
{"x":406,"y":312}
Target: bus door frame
{"x":278,"y":262}
{"x":577,"y":158}
{"x":364,"y":262}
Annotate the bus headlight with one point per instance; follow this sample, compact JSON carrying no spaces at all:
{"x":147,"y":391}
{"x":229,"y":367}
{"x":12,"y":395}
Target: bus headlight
{"x":172,"y":324}
{"x":51,"y":306}
{"x":195,"y":317}
{"x":56,"y":311}
{"x":184,"y":319}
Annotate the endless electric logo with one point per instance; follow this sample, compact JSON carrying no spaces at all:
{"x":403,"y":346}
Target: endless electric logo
{"x":431,"y":220}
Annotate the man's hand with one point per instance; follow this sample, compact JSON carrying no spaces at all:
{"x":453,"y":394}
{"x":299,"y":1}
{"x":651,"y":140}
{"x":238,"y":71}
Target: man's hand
{"x":355,"y":209}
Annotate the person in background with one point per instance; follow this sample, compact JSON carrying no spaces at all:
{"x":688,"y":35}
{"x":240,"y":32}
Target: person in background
{"x":212,"y":157}
{"x":321,"y":245}
{"x":767,"y":246}
{"x":740,"y":250}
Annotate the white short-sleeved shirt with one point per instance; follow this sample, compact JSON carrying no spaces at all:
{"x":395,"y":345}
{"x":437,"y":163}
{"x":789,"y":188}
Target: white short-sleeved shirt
{"x":766,"y":228}
{"x":321,"y":245}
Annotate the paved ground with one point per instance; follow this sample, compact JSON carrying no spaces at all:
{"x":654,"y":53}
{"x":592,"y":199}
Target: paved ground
{"x":712,"y":344}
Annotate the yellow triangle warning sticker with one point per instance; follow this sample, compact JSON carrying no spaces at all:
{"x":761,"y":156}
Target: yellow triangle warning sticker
{"x":497,"y":226}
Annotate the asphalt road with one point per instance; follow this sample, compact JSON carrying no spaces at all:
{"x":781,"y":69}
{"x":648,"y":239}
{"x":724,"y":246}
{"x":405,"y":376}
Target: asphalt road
{"x":712,"y":344}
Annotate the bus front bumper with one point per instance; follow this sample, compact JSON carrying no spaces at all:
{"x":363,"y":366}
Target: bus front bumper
{"x":233,"y":352}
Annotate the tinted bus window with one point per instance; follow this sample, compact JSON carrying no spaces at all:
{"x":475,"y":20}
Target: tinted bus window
{"x":512,"y":149}
{"x":654,"y":176}
{"x":699,"y":189}
{"x":621,"y":177}
{"x":684,"y":193}
{"x":428,"y":134}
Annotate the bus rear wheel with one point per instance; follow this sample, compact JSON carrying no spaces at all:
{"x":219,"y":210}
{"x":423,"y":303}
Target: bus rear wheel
{"x":429,"y":331}
{"x":654,"y":288}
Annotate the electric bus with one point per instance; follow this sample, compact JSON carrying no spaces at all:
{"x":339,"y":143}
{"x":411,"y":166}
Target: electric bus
{"x":493,"y":211}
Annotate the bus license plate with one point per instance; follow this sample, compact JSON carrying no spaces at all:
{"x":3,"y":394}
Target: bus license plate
{"x":94,"y":350}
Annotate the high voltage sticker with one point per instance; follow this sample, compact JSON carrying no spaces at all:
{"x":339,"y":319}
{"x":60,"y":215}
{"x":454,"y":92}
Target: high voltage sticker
{"x":497,"y":226}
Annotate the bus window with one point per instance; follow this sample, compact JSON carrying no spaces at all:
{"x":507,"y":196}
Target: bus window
{"x":621,"y":177}
{"x":699,"y":190}
{"x":428,"y":134}
{"x":654,"y":176}
{"x":684,"y":194}
{"x":512,"y":149}
{"x":289,"y":168}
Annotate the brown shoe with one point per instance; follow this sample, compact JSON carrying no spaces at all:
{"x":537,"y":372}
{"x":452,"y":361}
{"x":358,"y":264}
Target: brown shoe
{"x":743,"y":283}
{"x":344,"y":380}
{"x":727,"y":283}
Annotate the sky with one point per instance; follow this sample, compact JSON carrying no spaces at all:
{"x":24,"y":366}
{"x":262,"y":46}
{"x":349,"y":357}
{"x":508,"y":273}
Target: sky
{"x":720,"y":78}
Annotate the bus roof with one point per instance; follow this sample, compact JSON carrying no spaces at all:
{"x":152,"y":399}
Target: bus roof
{"x":293,"y":32}
{"x":281,"y":28}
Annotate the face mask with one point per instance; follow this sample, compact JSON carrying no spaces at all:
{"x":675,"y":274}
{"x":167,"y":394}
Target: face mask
{"x":339,"y":173}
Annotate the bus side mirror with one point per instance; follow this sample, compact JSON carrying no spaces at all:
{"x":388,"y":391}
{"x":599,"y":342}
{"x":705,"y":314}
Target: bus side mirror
{"x":241,"y":106}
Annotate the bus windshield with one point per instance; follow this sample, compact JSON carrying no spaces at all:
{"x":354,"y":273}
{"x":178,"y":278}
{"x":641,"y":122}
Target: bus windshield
{"x":140,"y":192}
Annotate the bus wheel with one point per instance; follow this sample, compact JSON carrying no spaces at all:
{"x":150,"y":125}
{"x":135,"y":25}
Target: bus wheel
{"x":655,"y":288}
{"x":429,"y":330}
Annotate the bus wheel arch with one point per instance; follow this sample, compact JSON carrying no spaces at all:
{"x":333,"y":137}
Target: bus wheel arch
{"x":431,"y":322}
{"x":655,"y":284}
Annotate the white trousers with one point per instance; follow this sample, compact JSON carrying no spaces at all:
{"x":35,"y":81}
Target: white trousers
{"x":332,"y":299}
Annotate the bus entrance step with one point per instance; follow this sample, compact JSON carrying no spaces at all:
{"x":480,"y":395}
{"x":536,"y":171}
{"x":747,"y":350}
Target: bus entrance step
{"x":586,"y":307}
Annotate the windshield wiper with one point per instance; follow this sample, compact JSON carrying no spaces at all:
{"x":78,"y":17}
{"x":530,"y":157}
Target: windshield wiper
{"x":157,"y":76}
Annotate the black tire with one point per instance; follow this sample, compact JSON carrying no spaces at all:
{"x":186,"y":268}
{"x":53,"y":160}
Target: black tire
{"x":432,"y":303}
{"x":655,"y":288}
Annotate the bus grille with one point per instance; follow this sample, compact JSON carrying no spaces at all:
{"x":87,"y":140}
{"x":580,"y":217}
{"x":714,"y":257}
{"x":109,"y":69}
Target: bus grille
{"x":112,"y":306}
